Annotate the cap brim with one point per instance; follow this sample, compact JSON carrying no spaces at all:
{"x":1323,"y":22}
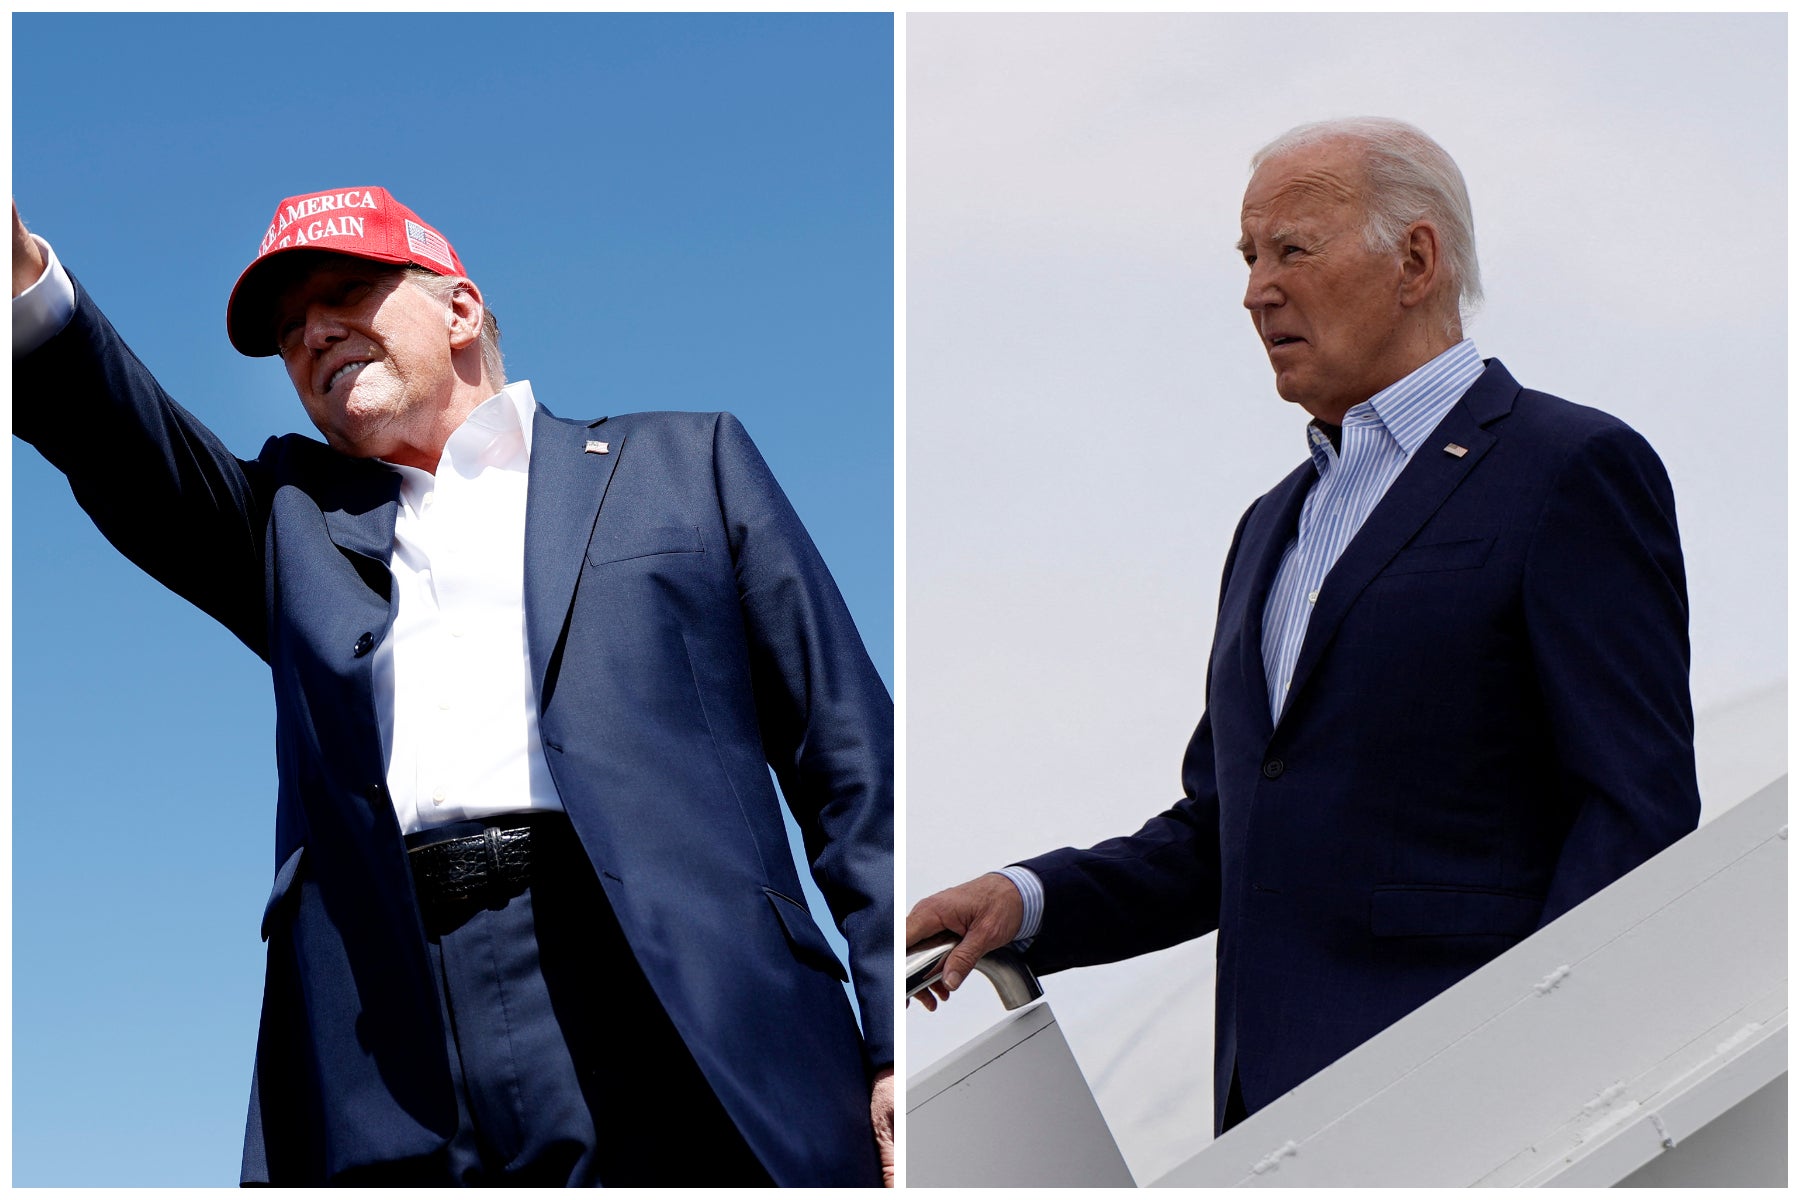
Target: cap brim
{"x":250,"y":313}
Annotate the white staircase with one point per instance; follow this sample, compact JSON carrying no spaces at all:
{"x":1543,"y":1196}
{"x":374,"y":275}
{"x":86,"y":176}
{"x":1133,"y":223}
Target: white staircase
{"x":1640,"y":1040}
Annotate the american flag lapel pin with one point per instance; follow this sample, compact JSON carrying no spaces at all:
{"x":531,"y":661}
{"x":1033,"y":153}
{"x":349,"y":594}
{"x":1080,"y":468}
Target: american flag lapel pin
{"x":1454,"y":450}
{"x":596,"y":447}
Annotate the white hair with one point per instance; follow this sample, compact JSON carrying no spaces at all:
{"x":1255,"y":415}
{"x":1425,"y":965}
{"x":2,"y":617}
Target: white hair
{"x":1410,"y":178}
{"x":441,"y":288}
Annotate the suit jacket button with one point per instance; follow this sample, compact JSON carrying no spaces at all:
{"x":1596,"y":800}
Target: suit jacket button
{"x":1273,"y":768}
{"x":364,"y":644}
{"x":376,"y":792}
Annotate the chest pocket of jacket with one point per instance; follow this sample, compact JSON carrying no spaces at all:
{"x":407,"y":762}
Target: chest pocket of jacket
{"x":610,"y":545}
{"x":1460,"y":555}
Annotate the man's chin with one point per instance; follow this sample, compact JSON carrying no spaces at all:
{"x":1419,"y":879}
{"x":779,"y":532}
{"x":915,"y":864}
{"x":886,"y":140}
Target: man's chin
{"x":1291,"y":389}
{"x":361,"y":434}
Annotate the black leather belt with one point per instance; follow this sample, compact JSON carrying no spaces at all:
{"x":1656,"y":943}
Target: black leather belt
{"x":477,"y":860}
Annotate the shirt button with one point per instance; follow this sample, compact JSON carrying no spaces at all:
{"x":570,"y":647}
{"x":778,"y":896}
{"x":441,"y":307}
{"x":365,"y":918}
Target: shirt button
{"x":437,"y":797}
{"x":456,"y":631}
{"x":1273,"y":768}
{"x":1312,"y":597}
{"x":443,"y":706}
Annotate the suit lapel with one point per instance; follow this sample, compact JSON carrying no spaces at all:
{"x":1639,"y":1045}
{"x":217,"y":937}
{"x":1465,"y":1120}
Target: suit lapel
{"x":568,"y":482}
{"x":359,"y":520}
{"x":1266,"y":540}
{"x":360,"y":508}
{"x":1418,"y":492}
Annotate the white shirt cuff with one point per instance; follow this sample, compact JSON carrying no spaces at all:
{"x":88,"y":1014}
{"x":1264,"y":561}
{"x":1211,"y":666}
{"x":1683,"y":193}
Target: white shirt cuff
{"x":42,"y":310}
{"x":1031,"y":891}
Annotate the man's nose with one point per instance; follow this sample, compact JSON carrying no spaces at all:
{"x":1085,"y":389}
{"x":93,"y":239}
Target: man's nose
{"x":323,"y":327}
{"x":1260,"y":291}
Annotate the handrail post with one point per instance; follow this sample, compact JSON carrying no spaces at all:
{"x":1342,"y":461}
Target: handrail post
{"x":1004,"y":967}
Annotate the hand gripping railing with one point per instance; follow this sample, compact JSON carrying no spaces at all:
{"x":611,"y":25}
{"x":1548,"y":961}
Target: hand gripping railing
{"x":1005,"y":968}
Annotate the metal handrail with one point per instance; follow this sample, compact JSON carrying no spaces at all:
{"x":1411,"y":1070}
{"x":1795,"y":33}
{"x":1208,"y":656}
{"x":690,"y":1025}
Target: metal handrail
{"x":1005,"y":968}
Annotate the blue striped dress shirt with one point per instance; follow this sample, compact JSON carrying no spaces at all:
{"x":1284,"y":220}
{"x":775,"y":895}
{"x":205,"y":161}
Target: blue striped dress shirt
{"x":1378,"y":440}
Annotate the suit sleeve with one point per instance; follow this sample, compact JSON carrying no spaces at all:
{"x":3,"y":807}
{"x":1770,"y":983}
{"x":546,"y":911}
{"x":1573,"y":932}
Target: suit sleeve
{"x":1606,"y":612}
{"x":156,"y":482}
{"x":1132,"y":895}
{"x":826,"y":719}
{"x":1149,"y":891}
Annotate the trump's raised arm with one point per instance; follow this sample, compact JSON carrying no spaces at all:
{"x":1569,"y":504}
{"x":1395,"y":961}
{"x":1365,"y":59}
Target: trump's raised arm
{"x":28,"y":258}
{"x":43,"y":294}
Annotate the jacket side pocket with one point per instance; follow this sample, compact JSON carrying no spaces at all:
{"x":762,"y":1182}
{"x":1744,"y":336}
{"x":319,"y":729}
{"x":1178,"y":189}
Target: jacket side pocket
{"x":804,"y":939}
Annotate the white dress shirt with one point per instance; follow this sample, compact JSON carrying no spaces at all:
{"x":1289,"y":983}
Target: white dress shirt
{"x":453,"y":686}
{"x":453,"y":691}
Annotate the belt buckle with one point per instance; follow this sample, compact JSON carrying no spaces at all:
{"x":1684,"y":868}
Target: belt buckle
{"x":473,"y":867}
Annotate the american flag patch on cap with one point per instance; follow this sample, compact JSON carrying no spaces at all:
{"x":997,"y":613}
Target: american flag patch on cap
{"x":427,"y":243}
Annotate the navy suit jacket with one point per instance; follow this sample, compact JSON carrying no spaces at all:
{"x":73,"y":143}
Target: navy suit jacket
{"x":1488,"y":722}
{"x":684,"y":636}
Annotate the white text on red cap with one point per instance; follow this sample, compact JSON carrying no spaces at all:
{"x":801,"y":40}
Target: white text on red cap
{"x":345,"y":226}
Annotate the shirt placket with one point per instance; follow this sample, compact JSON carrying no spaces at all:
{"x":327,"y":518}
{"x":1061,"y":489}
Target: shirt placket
{"x":439,"y":667}
{"x":1320,"y":526}
{"x":1355,"y":469}
{"x":1326,"y":527}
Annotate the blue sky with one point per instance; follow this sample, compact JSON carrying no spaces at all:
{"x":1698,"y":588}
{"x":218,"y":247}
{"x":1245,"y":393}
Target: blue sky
{"x":685,"y":212}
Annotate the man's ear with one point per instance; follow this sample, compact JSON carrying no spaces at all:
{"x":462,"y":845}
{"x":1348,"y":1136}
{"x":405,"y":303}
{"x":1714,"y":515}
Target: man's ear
{"x":1420,"y":264}
{"x":463,"y":314}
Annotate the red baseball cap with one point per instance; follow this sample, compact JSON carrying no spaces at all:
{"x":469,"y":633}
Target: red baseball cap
{"x":362,"y":222}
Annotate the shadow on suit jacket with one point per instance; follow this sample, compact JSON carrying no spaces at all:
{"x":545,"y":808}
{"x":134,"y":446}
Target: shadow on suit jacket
{"x":1488,"y":722}
{"x":684,"y":636}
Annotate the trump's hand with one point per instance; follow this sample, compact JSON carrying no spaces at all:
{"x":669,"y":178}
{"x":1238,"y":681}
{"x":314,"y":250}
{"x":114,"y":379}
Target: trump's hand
{"x":881,"y":1112}
{"x":28,"y":260}
{"x":985,"y":913}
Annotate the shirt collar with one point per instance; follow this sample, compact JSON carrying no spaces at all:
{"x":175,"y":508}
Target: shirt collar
{"x":508,"y":410}
{"x":496,"y":433}
{"x":1411,"y":407}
